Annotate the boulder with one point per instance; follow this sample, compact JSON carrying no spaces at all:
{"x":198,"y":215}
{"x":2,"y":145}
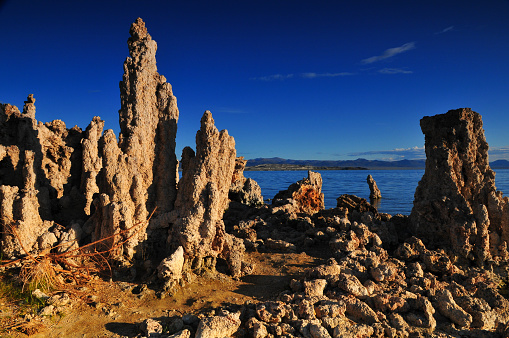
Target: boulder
{"x":355,"y":203}
{"x":448,"y":307}
{"x":170,"y":268}
{"x":218,"y":326}
{"x":244,"y":190}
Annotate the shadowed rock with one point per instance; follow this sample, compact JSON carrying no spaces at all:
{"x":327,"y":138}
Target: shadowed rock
{"x":39,"y":176}
{"x":244,"y":190}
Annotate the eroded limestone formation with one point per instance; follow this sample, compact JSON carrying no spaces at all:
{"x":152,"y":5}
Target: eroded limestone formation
{"x":456,"y":202}
{"x":203,"y":197}
{"x":97,"y":187}
{"x":40,"y":176}
{"x":306,"y":194}
{"x":137,"y":173}
{"x":374,"y":192}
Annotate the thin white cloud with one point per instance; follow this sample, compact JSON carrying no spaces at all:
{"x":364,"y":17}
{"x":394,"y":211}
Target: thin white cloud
{"x":388,"y":53}
{"x":274,"y":77}
{"x":499,"y":153}
{"x":315,"y":75}
{"x":310,"y":75}
{"x":398,"y":153}
{"x":445,"y":30}
{"x":394,"y":71}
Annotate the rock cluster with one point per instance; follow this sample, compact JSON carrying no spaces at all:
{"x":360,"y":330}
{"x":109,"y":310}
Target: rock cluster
{"x":374,"y":283}
{"x":67,"y":185}
{"x":39,"y":177}
{"x":456,"y":203}
{"x":381,"y":278}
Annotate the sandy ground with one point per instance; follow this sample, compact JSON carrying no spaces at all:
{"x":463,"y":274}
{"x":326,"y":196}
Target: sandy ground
{"x":111,"y":309}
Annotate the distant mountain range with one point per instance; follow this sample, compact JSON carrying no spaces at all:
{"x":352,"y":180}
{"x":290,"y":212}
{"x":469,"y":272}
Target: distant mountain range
{"x":277,"y":163}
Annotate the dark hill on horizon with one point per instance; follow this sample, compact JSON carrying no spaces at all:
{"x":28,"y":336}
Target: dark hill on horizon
{"x":277,"y":163}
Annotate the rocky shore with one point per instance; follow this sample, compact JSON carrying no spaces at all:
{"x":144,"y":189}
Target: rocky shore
{"x":77,"y":203}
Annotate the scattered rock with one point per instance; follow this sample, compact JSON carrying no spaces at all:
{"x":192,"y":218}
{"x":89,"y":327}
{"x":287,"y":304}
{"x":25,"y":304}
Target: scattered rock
{"x":218,"y":326}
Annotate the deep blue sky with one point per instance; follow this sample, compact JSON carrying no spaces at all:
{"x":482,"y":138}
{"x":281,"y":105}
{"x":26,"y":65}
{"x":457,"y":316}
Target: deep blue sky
{"x":294,"y":79}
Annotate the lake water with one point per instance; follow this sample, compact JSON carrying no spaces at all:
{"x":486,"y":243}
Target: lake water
{"x":397,"y":186}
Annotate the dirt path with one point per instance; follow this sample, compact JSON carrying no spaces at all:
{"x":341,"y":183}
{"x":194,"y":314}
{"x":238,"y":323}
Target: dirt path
{"x":113,"y":310}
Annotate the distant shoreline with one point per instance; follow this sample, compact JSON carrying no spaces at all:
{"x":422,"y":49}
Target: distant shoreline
{"x":280,"y":164}
{"x":295,"y":167}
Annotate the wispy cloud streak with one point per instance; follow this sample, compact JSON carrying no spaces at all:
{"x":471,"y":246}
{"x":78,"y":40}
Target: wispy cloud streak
{"x":399,"y":153}
{"x":390,"y":53}
{"x":274,"y":77}
{"x":282,"y":77}
{"x":315,"y":75}
{"x":445,"y":30}
{"x":394,"y":71}
{"x":499,"y":153}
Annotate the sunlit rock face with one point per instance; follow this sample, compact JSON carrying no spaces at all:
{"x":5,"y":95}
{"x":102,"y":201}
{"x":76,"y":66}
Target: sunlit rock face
{"x":203,"y":197}
{"x":305,"y":195}
{"x":138,"y":173}
{"x":456,"y":204}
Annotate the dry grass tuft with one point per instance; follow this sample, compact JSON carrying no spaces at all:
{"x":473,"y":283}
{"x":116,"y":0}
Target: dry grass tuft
{"x":51,"y":269}
{"x":39,"y":274}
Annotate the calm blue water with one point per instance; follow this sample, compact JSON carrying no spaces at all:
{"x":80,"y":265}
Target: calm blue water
{"x":397,"y":186}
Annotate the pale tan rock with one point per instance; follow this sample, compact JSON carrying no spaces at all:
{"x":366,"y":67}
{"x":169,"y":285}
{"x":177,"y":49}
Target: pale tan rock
{"x":352,"y":285}
{"x":258,"y":329}
{"x":273,"y":312}
{"x":359,"y":310}
{"x":151,"y":327}
{"x":457,"y":182}
{"x":374,"y":192}
{"x":19,"y":212}
{"x":318,"y":331}
{"x":348,"y":329}
{"x":170,"y":268}
{"x":92,"y":162}
{"x":314,"y":287}
{"x":203,"y":197}
{"x":448,"y":307}
{"x":218,"y":326}
{"x":139,"y":172}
